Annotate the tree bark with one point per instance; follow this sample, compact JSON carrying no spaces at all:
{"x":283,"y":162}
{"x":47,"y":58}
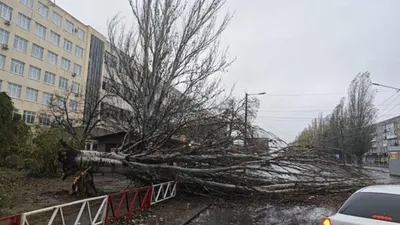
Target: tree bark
{"x":240,"y":173}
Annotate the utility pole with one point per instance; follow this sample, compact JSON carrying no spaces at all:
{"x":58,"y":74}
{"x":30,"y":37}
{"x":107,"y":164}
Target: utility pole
{"x":246,"y":98}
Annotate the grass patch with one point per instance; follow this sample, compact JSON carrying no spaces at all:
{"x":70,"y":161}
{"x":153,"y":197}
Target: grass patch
{"x":9,"y":181}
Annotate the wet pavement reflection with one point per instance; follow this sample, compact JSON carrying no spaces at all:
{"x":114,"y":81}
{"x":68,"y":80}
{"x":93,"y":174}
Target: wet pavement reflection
{"x":282,"y":215}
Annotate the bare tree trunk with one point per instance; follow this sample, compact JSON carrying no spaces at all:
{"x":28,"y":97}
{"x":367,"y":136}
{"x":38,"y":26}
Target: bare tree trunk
{"x":279,"y":172}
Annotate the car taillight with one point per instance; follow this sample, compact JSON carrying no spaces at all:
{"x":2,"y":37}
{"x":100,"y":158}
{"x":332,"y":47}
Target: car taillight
{"x":380,"y":217}
{"x":326,"y":221}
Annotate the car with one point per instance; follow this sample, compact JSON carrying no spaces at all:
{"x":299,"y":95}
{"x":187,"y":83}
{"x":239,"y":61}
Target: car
{"x":377,"y":205}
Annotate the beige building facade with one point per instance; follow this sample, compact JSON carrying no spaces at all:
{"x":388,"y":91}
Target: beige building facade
{"x":45,"y":52}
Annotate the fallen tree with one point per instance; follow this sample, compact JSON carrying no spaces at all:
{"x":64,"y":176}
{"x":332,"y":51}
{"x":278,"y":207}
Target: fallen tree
{"x":165,"y":71}
{"x":224,"y":171}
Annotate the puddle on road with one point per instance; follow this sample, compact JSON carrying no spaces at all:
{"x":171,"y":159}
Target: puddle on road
{"x":296,"y":215}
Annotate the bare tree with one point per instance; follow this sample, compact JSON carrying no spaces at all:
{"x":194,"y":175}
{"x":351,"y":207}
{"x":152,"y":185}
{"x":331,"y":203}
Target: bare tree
{"x":165,"y":69}
{"x":71,"y":110}
{"x":338,"y":126}
{"x":234,"y":113}
{"x":168,"y":65}
{"x":362,"y":114}
{"x":349,"y":129}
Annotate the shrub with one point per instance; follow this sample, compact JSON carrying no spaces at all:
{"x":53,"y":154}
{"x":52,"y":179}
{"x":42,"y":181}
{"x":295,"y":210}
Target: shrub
{"x":42,"y":160}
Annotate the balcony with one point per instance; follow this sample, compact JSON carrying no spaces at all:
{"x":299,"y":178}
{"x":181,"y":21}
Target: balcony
{"x":391,"y":136}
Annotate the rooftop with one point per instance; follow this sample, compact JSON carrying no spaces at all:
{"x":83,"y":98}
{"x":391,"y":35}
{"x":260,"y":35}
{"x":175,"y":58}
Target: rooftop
{"x":384,"y":189}
{"x":390,"y":120}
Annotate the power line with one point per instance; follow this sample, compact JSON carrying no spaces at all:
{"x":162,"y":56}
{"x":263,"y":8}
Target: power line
{"x":285,"y":117}
{"x":398,"y":95}
{"x":315,"y":110}
{"x":388,"y":99}
{"x":304,"y":111}
{"x":390,"y":110}
{"x":287,"y":120}
{"x":276,"y":130}
{"x":307,"y":94}
{"x":304,"y":94}
{"x":298,"y":106}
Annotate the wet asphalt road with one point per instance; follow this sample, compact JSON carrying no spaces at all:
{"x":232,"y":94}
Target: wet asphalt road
{"x":277,"y":215}
{"x":266,"y":214}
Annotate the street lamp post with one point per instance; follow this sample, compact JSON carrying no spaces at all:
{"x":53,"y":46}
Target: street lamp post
{"x":245,"y":115}
{"x":386,"y":86}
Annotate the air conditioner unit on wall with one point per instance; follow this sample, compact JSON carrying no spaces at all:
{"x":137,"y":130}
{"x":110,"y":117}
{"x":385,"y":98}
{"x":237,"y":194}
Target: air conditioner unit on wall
{"x":7,"y":23}
{"x":4,"y":46}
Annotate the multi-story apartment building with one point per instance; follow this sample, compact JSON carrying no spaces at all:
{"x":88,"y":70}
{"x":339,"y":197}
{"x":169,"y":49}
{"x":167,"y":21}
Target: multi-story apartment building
{"x":387,"y":135}
{"x":45,"y":51}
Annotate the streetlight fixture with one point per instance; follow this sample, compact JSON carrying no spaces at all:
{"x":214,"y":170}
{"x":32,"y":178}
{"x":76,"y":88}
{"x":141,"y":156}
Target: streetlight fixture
{"x":245,"y":115}
{"x":386,"y":86}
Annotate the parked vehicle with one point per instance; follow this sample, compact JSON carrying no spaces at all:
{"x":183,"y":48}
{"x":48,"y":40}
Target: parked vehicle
{"x":373,"y":205}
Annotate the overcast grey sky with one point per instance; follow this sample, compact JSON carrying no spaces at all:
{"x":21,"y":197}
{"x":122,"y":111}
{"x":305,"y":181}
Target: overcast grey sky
{"x":287,"y":47}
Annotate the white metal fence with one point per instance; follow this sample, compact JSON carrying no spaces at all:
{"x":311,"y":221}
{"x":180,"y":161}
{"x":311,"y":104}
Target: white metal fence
{"x":163,"y":191}
{"x":91,"y":211}
{"x":83,"y":212}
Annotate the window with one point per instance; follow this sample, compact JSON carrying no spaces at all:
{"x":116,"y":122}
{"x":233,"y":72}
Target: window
{"x":20,"y":44}
{"x":24,"y":22}
{"x":63,"y":83}
{"x":78,"y":51}
{"x":34,"y":73}
{"x":27,"y":3}
{"x":14,"y":90}
{"x":2,"y":62}
{"x":365,"y":204}
{"x":5,"y":11}
{"x":109,"y":111}
{"x":108,"y":85}
{"x":110,"y":60}
{"x":37,"y":51}
{"x":29,"y":117}
{"x":31,"y":94}
{"x":69,"y":27}
{"x":77,"y":69}
{"x":60,"y":101}
{"x":54,"y":38}
{"x":56,"y":19}
{"x":49,"y":78}
{"x":65,"y":64}
{"x":67,"y":45}
{"x":44,"y":119}
{"x":16,"y":114}
{"x":75,"y":87}
{"x":46,"y":98}
{"x":81,"y":34}
{"x":17,"y":67}
{"x":43,"y":10}
{"x":41,"y":30}
{"x":73,"y":105}
{"x":4,"y":35}
{"x":52,"y":58}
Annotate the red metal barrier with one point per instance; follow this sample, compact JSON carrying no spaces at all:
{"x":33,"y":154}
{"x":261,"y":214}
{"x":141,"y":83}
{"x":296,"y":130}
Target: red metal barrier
{"x":11,"y":220}
{"x":126,"y":202}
